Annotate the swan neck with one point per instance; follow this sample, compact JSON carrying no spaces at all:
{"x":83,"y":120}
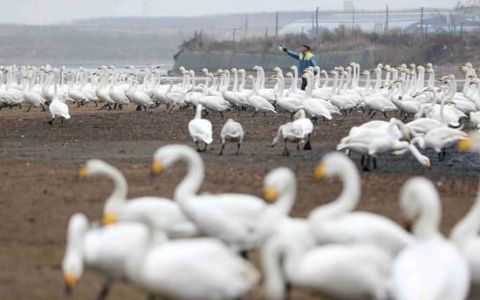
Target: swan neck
{"x":468,"y":227}
{"x":192,"y":181}
{"x":120,"y":189}
{"x":346,"y":202}
{"x":274,"y":281}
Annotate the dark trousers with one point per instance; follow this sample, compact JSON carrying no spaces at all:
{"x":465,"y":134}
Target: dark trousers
{"x":304,"y":84}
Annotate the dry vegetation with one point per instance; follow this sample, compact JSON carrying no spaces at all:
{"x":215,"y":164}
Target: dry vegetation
{"x":395,"y":47}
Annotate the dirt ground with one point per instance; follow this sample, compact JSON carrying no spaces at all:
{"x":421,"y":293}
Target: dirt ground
{"x":39,"y":188}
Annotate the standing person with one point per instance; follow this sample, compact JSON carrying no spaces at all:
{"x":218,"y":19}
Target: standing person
{"x":305,"y":59}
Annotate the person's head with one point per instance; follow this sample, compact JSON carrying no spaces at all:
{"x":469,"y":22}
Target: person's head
{"x":306,"y":48}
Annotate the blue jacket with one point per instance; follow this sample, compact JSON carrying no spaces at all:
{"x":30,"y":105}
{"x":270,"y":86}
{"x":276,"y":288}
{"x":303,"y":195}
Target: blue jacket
{"x":304,"y":61}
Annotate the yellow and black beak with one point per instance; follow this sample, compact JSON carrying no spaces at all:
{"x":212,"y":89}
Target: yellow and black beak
{"x":465,"y":144}
{"x":83,"y":173}
{"x":70,"y":282}
{"x":320,"y":171}
{"x":109,"y":219}
{"x":270,"y":194}
{"x":157,"y":167}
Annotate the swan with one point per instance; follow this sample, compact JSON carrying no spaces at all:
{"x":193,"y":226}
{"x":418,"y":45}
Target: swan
{"x":200,"y":129}
{"x":465,"y":236}
{"x":372,"y":141}
{"x":165,"y":214}
{"x":297,"y":132}
{"x":337,"y":223}
{"x":57,"y":107}
{"x":439,"y":139}
{"x":432,"y":267}
{"x":236,"y":219}
{"x":337,"y":271}
{"x":232,"y":132}
{"x":190,"y":269}
{"x":104,"y":249}
{"x":256,"y":101}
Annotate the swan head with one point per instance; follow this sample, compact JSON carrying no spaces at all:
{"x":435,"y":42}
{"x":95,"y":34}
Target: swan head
{"x":470,"y":143}
{"x":420,"y":204}
{"x":166,"y":156}
{"x":300,"y":114}
{"x":334,"y":164}
{"x":72,"y":265}
{"x":277,"y":182}
{"x":97,"y":167}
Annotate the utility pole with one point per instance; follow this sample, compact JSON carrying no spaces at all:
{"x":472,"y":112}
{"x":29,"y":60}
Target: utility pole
{"x":421,"y":21}
{"x":266,"y":33}
{"x":303,"y":30}
{"x":387,"y":20}
{"x":234,"y":37}
{"x":276,"y":24}
{"x":246,"y":26}
{"x":313,"y":24}
{"x":316,"y":21}
{"x":353,"y":18}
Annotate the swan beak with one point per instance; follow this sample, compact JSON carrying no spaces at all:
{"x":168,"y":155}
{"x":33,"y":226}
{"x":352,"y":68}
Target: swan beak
{"x":465,"y":144}
{"x":320,"y":172}
{"x":109,"y":219}
{"x":428,"y":165}
{"x":157,"y":167}
{"x":270,"y":194}
{"x":70,"y":281}
{"x":83,"y":173}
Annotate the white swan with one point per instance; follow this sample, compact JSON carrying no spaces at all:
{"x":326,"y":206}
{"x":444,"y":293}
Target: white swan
{"x":297,"y":132}
{"x":465,"y":236}
{"x":57,"y":107}
{"x":232,"y":132}
{"x":198,"y":269}
{"x":104,"y":250}
{"x":164,"y":214}
{"x":237,"y":219}
{"x":200,"y":129}
{"x":338,"y":271}
{"x":335,"y":222}
{"x":432,"y":267}
{"x":439,"y":139}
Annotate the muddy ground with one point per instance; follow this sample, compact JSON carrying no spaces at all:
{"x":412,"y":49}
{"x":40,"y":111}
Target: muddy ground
{"x":39,"y":188}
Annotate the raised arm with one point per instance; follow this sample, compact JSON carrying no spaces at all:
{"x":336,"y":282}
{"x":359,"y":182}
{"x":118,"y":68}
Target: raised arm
{"x":290,"y":53}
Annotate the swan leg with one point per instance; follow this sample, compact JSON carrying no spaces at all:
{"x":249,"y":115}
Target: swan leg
{"x":43,"y":108}
{"x":265,"y":116}
{"x":139,"y":108}
{"x":29,"y":108}
{"x":373,"y":115}
{"x":254,"y":113}
{"x":221,"y":149}
{"x":374,"y":160}
{"x":196,"y":144}
{"x":115,"y":106}
{"x":285,"y":150}
{"x":63,"y":119}
{"x":291,"y":115}
{"x":288,"y":290}
{"x":308,"y":145}
{"x":221,"y":114}
{"x":385,"y":115}
{"x":105,"y":291}
{"x":51,"y":121}
{"x":120,"y":106}
{"x":238,"y":148}
{"x":366,"y":165}
{"x":206,"y":147}
{"x":244,"y":254}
